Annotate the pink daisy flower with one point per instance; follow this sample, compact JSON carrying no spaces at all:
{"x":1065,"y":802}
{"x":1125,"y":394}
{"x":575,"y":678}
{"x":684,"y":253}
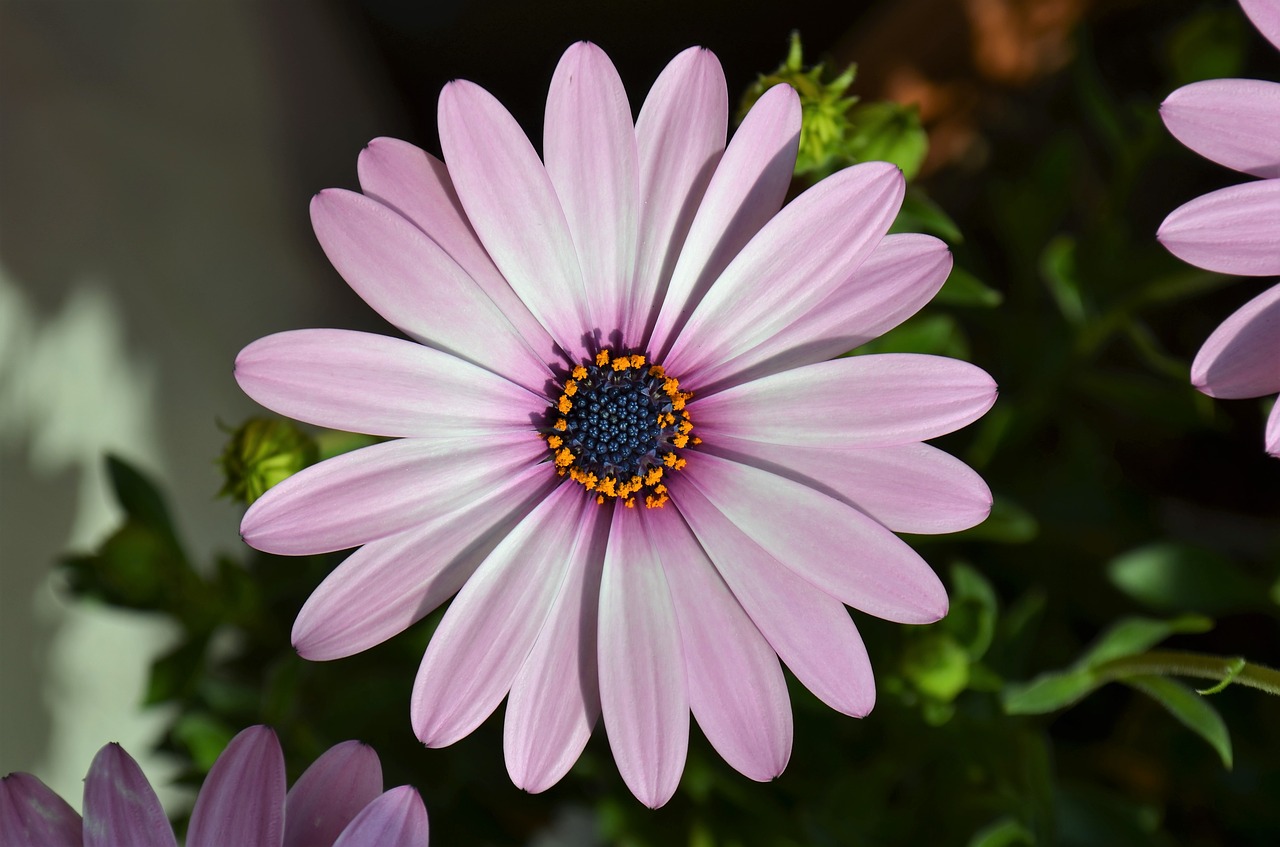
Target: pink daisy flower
{"x":620,"y":441}
{"x":337,"y":802}
{"x":1236,"y":123}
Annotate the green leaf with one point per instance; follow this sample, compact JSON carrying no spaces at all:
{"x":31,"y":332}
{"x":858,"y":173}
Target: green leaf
{"x":139,"y":497}
{"x":1005,"y":832}
{"x":964,"y":289}
{"x":1008,"y":523}
{"x":1191,"y":709}
{"x":1133,"y":635}
{"x":176,"y":674}
{"x":1058,"y":268}
{"x":921,"y":214}
{"x":972,"y":619}
{"x":889,"y":132}
{"x":1176,"y":577}
{"x":937,"y":334}
{"x":1058,"y":689}
{"x":1048,"y":692}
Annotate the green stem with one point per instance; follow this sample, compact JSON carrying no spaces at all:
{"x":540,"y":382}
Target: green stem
{"x":1178,"y":663}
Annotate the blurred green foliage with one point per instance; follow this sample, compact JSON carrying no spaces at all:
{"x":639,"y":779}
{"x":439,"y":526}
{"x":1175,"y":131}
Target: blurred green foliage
{"x":1119,"y":493}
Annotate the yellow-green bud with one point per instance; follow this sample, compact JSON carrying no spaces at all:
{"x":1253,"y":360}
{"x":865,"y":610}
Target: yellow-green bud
{"x":937,"y":666}
{"x":262,"y":453}
{"x":824,"y":107}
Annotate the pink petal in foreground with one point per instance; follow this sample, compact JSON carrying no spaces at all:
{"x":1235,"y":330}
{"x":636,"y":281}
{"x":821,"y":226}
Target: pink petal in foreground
{"x":808,"y":249}
{"x":860,"y":401}
{"x":120,"y":807}
{"x":1229,"y":121}
{"x":555,"y":697}
{"x":809,"y":629}
{"x":409,"y":280}
{"x":511,"y":203}
{"x":395,"y":819}
{"x":392,"y":583}
{"x":359,"y":382}
{"x":242,"y":799}
{"x":1265,"y":15}
{"x":589,"y":145}
{"x":907,"y":487}
{"x":1242,"y":356}
{"x":417,"y":185}
{"x":736,"y":689}
{"x":1231,"y":231}
{"x":491,"y":625}
{"x":680,"y":135}
{"x":642,"y":679}
{"x":900,"y":276}
{"x":330,"y":794}
{"x":1273,"y":431}
{"x":837,"y":548}
{"x":32,"y":815}
{"x":378,"y":491}
{"x":747,"y":190}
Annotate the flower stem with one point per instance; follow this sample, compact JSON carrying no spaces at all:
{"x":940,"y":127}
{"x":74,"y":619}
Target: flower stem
{"x":1224,"y":669}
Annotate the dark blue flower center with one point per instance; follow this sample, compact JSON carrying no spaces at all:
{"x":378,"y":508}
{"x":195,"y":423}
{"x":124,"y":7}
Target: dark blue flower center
{"x":617,"y":427}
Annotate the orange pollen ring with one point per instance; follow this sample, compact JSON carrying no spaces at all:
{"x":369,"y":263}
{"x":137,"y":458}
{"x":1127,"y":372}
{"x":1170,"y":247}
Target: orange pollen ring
{"x":618,"y":428}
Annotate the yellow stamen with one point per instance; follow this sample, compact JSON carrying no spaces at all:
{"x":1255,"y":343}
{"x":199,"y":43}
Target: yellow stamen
{"x":561,"y":424}
{"x":580,"y":372}
{"x":564,"y":457}
{"x":657,"y":370}
{"x":669,"y":460}
{"x":554,"y":442}
{"x":637,"y":361}
{"x":680,"y":440}
{"x":631,"y":502}
{"x":570,"y":387}
{"x":621,"y":363}
{"x":600,"y":500}
{"x":602,"y":358}
{"x":671,"y":385}
{"x":564,"y":405}
{"x":653,"y":476}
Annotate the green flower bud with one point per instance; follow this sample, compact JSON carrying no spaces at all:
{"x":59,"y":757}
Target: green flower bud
{"x":937,"y":665}
{"x":825,"y":130}
{"x":261,"y":453}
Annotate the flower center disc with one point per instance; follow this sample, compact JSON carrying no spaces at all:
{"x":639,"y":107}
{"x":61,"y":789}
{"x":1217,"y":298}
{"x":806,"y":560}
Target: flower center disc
{"x":617,"y":428}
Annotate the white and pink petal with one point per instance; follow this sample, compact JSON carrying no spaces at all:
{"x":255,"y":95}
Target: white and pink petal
{"x":492,"y":624}
{"x":737,"y":692}
{"x":589,"y":145}
{"x":680,"y":136}
{"x":793,"y":263}
{"x":643,"y":694}
{"x":382,"y":490}
{"x":242,"y":799}
{"x":390,"y":584}
{"x":413,"y":283}
{"x":359,"y":382}
{"x":912,"y":487}
{"x":555,"y":697}
{"x":1229,"y":121}
{"x":396,"y":818}
{"x":1231,"y":230}
{"x":810,"y":630}
{"x":829,"y":543}
{"x":747,"y":190}
{"x":120,"y":806}
{"x":330,"y":794}
{"x":1241,"y":358}
{"x":417,"y":185}
{"x":511,"y":203}
{"x":860,"y":401}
